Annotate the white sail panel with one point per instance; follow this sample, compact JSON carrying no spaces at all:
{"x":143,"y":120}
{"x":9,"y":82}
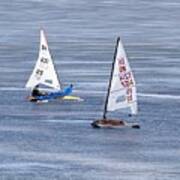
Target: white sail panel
{"x":117,"y":100}
{"x":44,"y":72}
{"x":123,"y":87}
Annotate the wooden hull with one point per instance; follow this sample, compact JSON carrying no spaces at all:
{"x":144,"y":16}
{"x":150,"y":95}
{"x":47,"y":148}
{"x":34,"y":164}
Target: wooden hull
{"x":109,"y":123}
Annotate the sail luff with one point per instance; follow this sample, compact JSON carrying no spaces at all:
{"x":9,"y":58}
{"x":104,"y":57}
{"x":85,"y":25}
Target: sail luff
{"x":110,"y":79}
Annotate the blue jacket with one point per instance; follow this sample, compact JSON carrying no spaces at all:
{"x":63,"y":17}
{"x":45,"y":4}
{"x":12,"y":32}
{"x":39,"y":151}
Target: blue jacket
{"x":53,"y":95}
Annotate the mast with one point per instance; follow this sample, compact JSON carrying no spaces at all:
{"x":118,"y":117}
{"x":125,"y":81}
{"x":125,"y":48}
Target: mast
{"x":110,"y":79}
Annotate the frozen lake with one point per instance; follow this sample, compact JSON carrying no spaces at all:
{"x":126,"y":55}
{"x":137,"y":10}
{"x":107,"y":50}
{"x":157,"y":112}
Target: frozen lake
{"x":55,"y":140}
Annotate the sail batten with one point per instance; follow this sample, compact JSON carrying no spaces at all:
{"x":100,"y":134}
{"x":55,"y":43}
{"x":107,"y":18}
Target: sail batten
{"x":122,"y":86}
{"x":44,"y":71}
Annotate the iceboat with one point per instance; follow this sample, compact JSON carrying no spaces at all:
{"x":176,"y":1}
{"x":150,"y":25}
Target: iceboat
{"x":121,"y":91}
{"x":45,"y":75}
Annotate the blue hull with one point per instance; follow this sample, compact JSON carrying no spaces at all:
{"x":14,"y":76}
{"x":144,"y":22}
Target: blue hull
{"x":54,"y":95}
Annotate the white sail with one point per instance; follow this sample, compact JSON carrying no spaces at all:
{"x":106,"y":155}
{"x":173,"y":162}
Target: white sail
{"x":44,"y":72}
{"x":123,"y":87}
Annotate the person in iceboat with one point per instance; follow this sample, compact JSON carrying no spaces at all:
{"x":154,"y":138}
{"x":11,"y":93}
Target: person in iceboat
{"x":36,"y":92}
{"x":40,"y":96}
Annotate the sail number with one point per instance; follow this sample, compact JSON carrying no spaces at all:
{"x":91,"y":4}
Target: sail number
{"x":44,"y":60}
{"x":44,"y":63}
{"x":43,"y":47}
{"x":39,"y":73}
{"x":125,"y":78}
